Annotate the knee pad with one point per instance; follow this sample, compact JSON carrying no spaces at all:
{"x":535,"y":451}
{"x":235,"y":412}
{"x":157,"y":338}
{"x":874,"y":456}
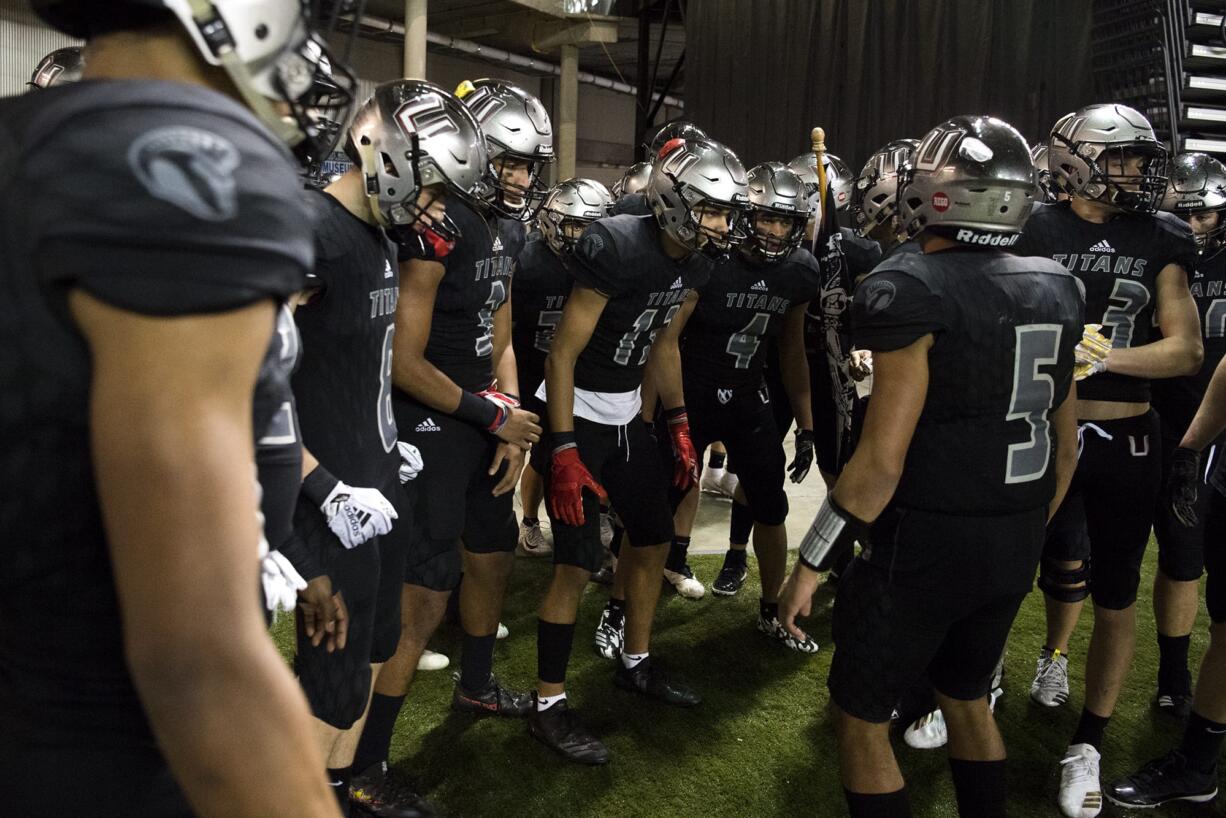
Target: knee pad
{"x":771,"y":510}
{"x":1055,"y":582}
{"x":439,"y":571}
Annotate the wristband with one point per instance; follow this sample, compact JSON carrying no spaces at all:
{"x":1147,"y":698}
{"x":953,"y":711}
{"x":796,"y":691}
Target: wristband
{"x":318,"y":485}
{"x":478,"y":411}
{"x":564,"y":440}
{"x":833,"y":529}
{"x":674,"y":416}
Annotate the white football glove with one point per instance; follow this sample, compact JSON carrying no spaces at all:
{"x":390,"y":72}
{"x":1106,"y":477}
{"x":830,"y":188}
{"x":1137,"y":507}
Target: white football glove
{"x":356,"y":515}
{"x":281,"y":582}
{"x":410,"y":461}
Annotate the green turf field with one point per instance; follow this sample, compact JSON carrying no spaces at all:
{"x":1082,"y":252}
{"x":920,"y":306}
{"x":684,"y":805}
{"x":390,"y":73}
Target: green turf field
{"x":759,"y":745}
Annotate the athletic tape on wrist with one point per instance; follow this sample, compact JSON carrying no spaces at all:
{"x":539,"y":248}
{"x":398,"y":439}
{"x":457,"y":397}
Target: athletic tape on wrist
{"x":832,"y":527}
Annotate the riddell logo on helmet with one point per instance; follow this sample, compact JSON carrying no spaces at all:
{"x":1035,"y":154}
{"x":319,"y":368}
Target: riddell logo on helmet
{"x":940,"y":202}
{"x":992,"y":239}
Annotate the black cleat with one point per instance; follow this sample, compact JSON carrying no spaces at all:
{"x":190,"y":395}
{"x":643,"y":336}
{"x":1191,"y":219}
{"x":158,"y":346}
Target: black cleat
{"x":492,"y":700}
{"x":1164,"y":780}
{"x":560,"y":729}
{"x":650,"y":679}
{"x":1178,"y":705}
{"x":376,"y":794}
{"x":730,"y":580}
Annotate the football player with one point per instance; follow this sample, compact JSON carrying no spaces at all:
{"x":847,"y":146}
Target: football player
{"x":133,"y":336}
{"x":632,"y":276}
{"x":962,"y":457}
{"x":455,"y":399}
{"x":1196,"y":192}
{"x":542,"y":283}
{"x":756,"y":297}
{"x":1135,"y":264}
{"x":1190,"y":771}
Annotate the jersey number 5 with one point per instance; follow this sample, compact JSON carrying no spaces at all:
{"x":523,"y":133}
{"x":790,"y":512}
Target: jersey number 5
{"x":1037,"y":345}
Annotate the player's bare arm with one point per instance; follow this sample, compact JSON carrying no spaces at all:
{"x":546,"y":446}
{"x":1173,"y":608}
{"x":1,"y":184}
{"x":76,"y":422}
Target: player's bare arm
{"x":1180,"y":350}
{"x":794,"y":368}
{"x":1064,"y":424}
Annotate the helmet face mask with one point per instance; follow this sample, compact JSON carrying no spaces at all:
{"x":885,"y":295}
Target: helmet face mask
{"x":1109,"y":154}
{"x":874,"y":196}
{"x":698,"y":193}
{"x":327,"y":100}
{"x":569,"y":208}
{"x":779,"y":209}
{"x":1196,"y":189}
{"x":510,"y":199}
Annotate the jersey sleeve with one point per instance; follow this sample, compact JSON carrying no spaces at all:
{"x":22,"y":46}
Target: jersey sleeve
{"x":597,"y":262}
{"x":862,"y":255}
{"x":1180,"y":243}
{"x":169,"y":211}
{"x":634,"y":204}
{"x":892,"y":309}
{"x":804,"y":274}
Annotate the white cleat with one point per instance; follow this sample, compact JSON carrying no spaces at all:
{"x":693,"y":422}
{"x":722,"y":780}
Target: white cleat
{"x":532,"y":542}
{"x":927,"y":732}
{"x":432,"y":661}
{"x":1050,"y":685}
{"x":712,"y":480}
{"x":502,"y":632}
{"x":610,"y":634}
{"x":728,"y":484}
{"x":685,"y":583}
{"x":1080,"y":791}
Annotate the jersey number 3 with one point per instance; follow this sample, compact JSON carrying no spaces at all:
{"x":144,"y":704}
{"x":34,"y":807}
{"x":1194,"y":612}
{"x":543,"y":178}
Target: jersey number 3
{"x":1038,"y":345}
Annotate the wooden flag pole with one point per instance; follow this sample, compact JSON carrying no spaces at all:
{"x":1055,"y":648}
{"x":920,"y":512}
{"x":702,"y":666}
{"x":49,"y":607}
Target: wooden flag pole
{"x":818,"y":138}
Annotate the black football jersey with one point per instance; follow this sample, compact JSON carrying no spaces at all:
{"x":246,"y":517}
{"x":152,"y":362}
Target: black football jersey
{"x":621,"y":258}
{"x":158,"y":198}
{"x":1118,"y":262}
{"x":344,"y":382}
{"x":1177,"y":399}
{"x":542,"y":283}
{"x":475,"y":285}
{"x":632,"y":204}
{"x":740,"y":311}
{"x":1005,"y":329}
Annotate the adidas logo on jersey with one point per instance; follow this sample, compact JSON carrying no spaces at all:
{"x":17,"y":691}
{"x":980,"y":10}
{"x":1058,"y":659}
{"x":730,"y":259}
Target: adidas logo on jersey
{"x":760,"y":286}
{"x":428,"y":425}
{"x":387,"y":269}
{"x":497,"y":248}
{"x":676,"y":284}
{"x":1102,"y":247}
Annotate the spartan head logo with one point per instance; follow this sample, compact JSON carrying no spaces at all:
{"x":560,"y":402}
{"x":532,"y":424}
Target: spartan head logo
{"x":878,"y":296}
{"x":193,"y":169}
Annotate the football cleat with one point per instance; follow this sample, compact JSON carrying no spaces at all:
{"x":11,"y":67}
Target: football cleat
{"x":774,"y":629}
{"x":928,"y":732}
{"x":610,"y":633}
{"x":375,"y":793}
{"x":492,"y":700}
{"x":432,"y":661}
{"x":532,"y":542}
{"x":1178,"y":705}
{"x":1162,"y":781}
{"x":606,"y":530}
{"x":502,"y":632}
{"x":685,"y":583}
{"x":730,"y":580}
{"x":603,"y":577}
{"x":1050,"y":685}
{"x":559,"y":729}
{"x":712,"y":480}
{"x":1080,"y":793}
{"x":728,"y":484}
{"x":650,"y":679}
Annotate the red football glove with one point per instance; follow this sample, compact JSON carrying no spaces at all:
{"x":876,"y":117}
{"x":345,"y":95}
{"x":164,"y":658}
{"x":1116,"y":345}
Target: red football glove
{"x":568,"y":478}
{"x":685,"y":470}
{"x":501,"y":399}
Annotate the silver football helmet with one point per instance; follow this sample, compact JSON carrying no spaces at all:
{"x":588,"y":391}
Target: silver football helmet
{"x":410,"y":135}
{"x":874,"y":197}
{"x":839,"y":180}
{"x":633,"y":180}
{"x":60,"y":67}
{"x":269,"y":49}
{"x":1197,"y":185}
{"x":1044,"y":191}
{"x":677,"y":129}
{"x":569,"y":208}
{"x":1111,"y":154}
{"x":688,"y":175}
{"x":776,"y":191}
{"x":971,"y":180}
{"x":517,"y":127}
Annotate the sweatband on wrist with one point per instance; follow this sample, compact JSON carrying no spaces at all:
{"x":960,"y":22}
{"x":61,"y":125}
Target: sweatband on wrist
{"x":564,"y":440}
{"x":475,"y":410}
{"x":318,"y":485}
{"x":677,"y":415}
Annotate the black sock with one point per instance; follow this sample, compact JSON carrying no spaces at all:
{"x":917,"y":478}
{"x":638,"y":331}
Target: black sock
{"x":769,"y":610}
{"x":878,"y":805}
{"x":678,"y":554}
{"x":716,"y":459}
{"x":1202,"y":742}
{"x":476,"y":661}
{"x":338,"y":780}
{"x":979,"y":787}
{"x":615,"y":545}
{"x":617,"y":607}
{"x":1173,"y":674}
{"x":376,"y":741}
{"x":741,"y":525}
{"x":735,"y":558}
{"x":531,"y":522}
{"x":553,"y":642}
{"x":1090,"y":729}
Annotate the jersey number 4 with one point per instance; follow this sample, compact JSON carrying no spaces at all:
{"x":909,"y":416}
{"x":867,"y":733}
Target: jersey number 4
{"x":1038,"y":345}
{"x":744,"y":345}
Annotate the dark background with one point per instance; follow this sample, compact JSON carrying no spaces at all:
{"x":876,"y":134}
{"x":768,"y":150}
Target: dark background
{"x":761,"y":73}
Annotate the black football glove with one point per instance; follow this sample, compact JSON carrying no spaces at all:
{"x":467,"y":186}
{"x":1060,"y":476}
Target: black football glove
{"x":1183,"y":484}
{"x":805,"y":446}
